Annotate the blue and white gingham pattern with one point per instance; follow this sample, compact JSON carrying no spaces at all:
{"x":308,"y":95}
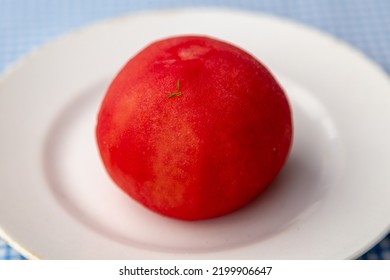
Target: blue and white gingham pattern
{"x":9,"y":253}
{"x":27,"y":24}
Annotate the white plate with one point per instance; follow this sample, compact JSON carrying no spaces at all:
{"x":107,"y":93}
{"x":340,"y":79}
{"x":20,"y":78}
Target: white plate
{"x":331,"y":200}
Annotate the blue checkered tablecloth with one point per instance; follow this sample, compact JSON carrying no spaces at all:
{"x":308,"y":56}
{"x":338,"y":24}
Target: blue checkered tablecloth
{"x":27,"y":24}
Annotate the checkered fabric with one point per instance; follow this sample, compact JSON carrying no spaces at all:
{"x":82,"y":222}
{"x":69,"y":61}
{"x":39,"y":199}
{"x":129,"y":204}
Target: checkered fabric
{"x":8,"y":253}
{"x":27,"y":24}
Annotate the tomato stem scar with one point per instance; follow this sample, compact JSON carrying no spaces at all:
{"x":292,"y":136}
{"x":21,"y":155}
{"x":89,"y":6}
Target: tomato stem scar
{"x":176,"y":93}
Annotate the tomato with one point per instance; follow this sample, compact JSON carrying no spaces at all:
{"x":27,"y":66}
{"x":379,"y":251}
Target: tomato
{"x":194,"y":128}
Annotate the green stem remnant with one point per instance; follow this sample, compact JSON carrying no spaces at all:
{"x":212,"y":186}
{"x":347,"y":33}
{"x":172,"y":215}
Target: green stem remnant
{"x":176,"y":93}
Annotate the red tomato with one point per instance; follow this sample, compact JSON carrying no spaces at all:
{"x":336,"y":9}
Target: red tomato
{"x":194,"y":128}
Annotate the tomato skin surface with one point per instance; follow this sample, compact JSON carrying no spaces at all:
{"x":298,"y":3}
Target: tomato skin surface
{"x":194,"y":128}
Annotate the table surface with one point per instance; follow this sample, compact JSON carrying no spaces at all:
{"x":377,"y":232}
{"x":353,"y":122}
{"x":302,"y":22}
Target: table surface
{"x":27,"y":24}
